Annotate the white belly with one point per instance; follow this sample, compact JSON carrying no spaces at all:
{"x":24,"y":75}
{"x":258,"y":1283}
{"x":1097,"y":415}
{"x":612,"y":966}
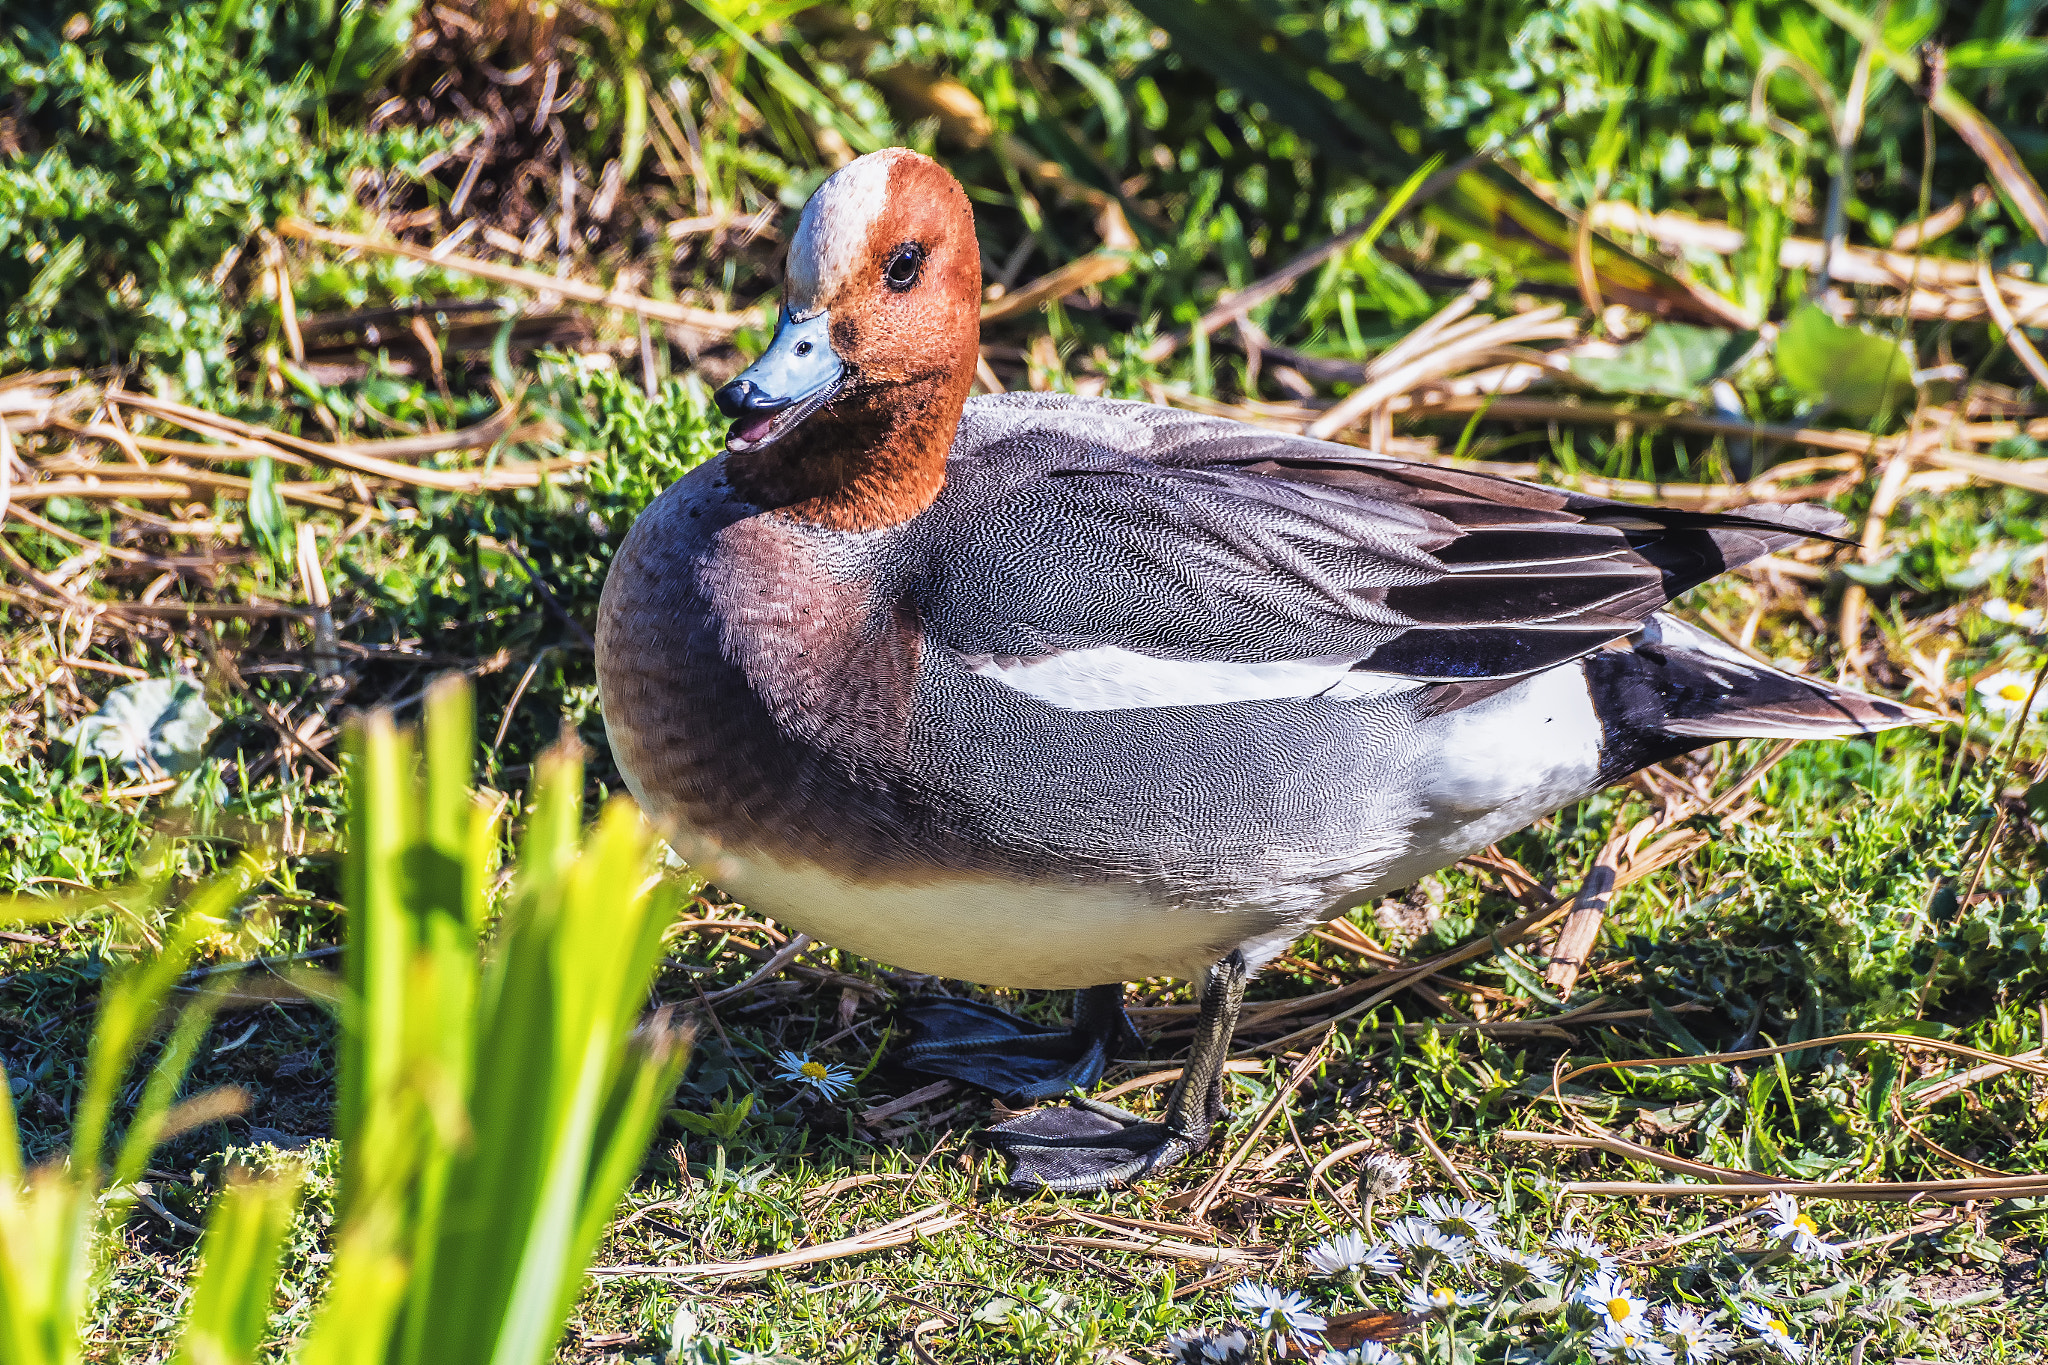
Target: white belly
{"x":1042,"y":936}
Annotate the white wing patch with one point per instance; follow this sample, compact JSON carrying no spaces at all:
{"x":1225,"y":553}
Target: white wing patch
{"x":1111,"y":679}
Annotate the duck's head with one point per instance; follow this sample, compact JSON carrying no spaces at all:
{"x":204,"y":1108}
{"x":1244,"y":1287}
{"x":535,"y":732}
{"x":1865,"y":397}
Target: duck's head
{"x":846,"y":419}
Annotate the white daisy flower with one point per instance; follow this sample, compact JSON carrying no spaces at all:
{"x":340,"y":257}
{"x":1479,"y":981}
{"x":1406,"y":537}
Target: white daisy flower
{"x":1226,"y":1345}
{"x":1460,"y":1217}
{"x":1798,"y":1230}
{"x":1426,"y":1243}
{"x":1692,"y":1336}
{"x":2005,"y":693}
{"x":1348,"y":1254}
{"x":1365,"y":1353}
{"x":1580,"y":1254}
{"x":1517,"y":1268}
{"x":2006,"y":614}
{"x":1608,"y":1295}
{"x":1625,"y":1346}
{"x":1436,"y":1298}
{"x":1385,"y":1174}
{"x":829,"y":1079}
{"x":1277,"y":1313}
{"x":1773,"y":1331}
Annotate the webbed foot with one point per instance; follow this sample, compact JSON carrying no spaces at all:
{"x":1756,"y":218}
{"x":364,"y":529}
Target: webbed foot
{"x":983,"y":1046}
{"x":1088,"y":1145}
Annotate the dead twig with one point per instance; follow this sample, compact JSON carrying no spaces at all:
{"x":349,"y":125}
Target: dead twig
{"x":698,"y":319}
{"x":925,"y":1222}
{"x":784,"y":956}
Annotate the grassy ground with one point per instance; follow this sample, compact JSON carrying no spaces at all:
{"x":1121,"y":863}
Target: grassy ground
{"x":1892,"y":885}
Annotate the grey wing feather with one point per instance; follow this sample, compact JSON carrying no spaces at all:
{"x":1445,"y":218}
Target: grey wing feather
{"x":1190,"y":537}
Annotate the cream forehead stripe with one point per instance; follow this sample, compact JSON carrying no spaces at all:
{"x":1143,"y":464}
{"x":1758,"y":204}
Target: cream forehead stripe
{"x":832,"y":236}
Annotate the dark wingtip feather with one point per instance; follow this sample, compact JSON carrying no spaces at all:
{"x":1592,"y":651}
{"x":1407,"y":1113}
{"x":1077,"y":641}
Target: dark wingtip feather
{"x":1678,"y":688}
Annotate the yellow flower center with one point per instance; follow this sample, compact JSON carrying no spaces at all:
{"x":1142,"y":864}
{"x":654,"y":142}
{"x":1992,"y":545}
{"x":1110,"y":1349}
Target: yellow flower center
{"x":2012,"y":691}
{"x":814,"y":1071}
{"x":1805,"y":1224}
{"x":1778,"y":1326}
{"x":1618,"y":1309}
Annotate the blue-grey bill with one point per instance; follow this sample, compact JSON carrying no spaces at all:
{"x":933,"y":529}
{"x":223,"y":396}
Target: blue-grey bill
{"x":799,"y":369}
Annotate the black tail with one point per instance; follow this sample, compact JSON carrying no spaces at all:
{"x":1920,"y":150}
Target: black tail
{"x":1674,"y":688}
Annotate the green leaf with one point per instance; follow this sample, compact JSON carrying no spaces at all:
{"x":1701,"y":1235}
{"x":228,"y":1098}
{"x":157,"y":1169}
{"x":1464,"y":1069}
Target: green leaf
{"x":1884,"y":1082}
{"x":156,"y":726}
{"x":264,"y":513}
{"x":1875,"y":575}
{"x":1523,"y":975}
{"x":1667,"y":1024}
{"x":1998,"y":54}
{"x":1855,"y":373}
{"x":1109,"y":102}
{"x":1670,"y":360}
{"x":2037,"y":800}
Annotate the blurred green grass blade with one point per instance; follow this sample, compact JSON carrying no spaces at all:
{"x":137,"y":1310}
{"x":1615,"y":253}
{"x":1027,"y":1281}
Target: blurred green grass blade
{"x":10,"y":1135}
{"x":378,"y":949}
{"x":132,"y":1000}
{"x":1107,"y":99}
{"x":244,"y":1242}
{"x":633,"y":120}
{"x":49,"y":1218}
{"x":44,"y":1230}
{"x":161,"y":1090}
{"x":364,"y":1292}
{"x":498,"y":1100}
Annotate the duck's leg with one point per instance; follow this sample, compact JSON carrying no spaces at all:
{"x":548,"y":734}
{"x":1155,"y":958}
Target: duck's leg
{"x":1088,"y":1145}
{"x":983,"y":1046}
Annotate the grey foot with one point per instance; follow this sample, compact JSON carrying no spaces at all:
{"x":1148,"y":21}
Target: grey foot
{"x":1086,"y":1146}
{"x":968,"y":1041}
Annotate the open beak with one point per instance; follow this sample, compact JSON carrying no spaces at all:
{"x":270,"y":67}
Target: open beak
{"x":798,"y":374}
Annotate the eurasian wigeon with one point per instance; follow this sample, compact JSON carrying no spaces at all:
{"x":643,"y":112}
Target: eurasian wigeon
{"x":1042,"y":691}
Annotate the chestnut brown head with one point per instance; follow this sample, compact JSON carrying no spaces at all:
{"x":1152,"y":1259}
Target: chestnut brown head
{"x":881,"y":308}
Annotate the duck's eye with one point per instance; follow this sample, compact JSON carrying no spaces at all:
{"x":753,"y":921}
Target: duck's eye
{"x":906,"y":262}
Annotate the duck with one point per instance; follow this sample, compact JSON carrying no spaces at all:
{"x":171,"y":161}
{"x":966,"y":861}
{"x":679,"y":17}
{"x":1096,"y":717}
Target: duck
{"x":1047,"y":691}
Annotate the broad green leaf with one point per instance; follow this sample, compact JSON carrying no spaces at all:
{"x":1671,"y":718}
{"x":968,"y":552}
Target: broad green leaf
{"x":1854,"y":373}
{"x":1884,"y":1082}
{"x":156,"y":726}
{"x":1670,"y":360}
